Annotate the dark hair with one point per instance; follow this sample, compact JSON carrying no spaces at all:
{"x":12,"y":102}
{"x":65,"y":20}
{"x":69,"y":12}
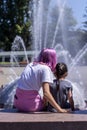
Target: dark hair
{"x":61,"y":69}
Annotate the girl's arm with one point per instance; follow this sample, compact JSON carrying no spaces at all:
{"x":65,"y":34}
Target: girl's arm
{"x":48,"y":96}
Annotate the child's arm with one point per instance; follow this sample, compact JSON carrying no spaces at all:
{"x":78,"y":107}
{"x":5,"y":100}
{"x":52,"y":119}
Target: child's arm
{"x":71,"y":101}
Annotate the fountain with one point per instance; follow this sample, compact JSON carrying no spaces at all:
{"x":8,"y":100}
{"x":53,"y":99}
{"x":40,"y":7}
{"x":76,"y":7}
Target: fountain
{"x":47,"y":34}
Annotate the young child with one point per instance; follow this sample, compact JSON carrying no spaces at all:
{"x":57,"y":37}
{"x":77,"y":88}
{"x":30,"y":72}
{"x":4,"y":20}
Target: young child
{"x":61,"y":89}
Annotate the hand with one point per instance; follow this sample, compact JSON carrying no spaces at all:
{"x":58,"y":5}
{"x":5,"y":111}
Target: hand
{"x":63,"y":111}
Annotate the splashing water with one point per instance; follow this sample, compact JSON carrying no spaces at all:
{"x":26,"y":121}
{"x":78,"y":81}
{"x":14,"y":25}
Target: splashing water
{"x":44,"y":37}
{"x":16,"y":45}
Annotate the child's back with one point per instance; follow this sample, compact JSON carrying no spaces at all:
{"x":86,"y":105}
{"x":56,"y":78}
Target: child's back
{"x":61,"y":88}
{"x":60,"y":91}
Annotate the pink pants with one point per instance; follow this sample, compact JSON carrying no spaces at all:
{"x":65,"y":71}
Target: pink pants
{"x":28,"y":100}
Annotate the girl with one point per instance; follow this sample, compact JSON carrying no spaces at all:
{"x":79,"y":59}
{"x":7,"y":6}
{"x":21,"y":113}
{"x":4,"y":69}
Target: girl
{"x":62,"y":89}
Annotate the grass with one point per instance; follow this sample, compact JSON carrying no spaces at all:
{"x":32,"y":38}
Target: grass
{"x":23,"y":63}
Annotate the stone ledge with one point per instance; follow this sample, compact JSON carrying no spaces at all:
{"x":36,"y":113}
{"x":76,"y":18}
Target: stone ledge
{"x":10,"y":119}
{"x":43,"y":126}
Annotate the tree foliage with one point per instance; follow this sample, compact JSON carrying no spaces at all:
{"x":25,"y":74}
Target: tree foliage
{"x":85,"y":16}
{"x":14,"y":20}
{"x":84,"y":38}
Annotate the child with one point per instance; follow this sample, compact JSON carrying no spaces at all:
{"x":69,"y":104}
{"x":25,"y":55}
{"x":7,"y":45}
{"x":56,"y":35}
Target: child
{"x":61,"y":89}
